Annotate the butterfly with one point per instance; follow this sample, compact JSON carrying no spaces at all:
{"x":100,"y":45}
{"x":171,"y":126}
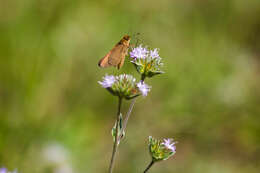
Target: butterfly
{"x":116,"y":56}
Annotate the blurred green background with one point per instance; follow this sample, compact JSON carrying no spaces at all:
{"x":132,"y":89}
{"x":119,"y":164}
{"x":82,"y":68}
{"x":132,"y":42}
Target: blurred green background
{"x":54,"y":116}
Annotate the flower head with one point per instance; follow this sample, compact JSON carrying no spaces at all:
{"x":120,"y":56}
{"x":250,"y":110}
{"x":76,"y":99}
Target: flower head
{"x":124,"y":86}
{"x":139,"y":52}
{"x":108,"y":81}
{"x":161,"y":149}
{"x":147,"y":62}
{"x":144,"y":88}
{"x":167,"y":143}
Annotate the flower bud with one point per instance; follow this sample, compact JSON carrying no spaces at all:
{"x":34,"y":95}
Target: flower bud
{"x":161,"y":149}
{"x":121,"y":132}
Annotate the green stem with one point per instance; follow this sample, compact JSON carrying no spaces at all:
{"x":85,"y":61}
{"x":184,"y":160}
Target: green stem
{"x":149,"y":166}
{"x":127,"y":117}
{"x":115,"y":146}
{"x":143,"y":77}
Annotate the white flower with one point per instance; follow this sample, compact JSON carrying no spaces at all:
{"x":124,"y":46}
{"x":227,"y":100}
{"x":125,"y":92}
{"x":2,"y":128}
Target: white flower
{"x":154,"y":53}
{"x":143,"y":88}
{"x":139,"y":52}
{"x":108,"y":81}
{"x":167,"y":143}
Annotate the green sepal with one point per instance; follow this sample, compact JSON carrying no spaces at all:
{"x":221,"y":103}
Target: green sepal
{"x":147,"y":70}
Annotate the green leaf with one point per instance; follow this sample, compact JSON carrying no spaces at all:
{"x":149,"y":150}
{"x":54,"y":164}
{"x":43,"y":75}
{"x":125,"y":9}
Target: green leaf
{"x":120,"y":128}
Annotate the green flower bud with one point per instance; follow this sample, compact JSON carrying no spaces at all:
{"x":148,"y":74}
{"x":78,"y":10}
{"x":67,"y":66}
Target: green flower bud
{"x":161,"y":149}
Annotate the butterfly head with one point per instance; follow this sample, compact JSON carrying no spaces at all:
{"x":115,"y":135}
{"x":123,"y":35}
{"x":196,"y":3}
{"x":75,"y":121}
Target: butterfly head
{"x":126,"y":37}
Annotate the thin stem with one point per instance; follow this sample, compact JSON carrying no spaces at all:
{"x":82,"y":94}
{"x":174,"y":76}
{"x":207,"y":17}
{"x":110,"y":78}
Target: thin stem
{"x":127,"y":117}
{"x":115,"y":146}
{"x":149,"y":166}
{"x":142,"y":78}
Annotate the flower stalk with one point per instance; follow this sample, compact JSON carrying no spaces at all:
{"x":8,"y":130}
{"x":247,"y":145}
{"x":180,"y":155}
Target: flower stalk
{"x":115,"y":146}
{"x":127,"y":117}
{"x":149,"y":166}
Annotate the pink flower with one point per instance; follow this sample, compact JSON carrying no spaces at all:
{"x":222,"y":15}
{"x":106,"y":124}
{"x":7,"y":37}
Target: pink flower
{"x":154,"y":53}
{"x":143,"y":88}
{"x":108,"y":81}
{"x":139,"y":52}
{"x":167,"y":143}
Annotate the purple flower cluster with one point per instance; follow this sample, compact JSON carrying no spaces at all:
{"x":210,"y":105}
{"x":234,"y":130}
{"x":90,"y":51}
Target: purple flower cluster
{"x":4,"y":170}
{"x":139,"y":52}
{"x":147,"y":61}
{"x":143,"y":53}
{"x":108,"y":81}
{"x":124,"y":85}
{"x":169,"y":144}
{"x":144,"y":88}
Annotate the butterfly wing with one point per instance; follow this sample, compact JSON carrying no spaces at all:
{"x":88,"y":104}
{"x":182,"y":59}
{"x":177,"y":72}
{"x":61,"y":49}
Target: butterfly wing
{"x":113,"y":57}
{"x":123,"y":54}
{"x":104,"y":61}
{"x":116,"y":55}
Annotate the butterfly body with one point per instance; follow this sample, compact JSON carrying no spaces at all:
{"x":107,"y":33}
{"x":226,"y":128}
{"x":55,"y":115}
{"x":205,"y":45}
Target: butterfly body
{"x":116,"y":56}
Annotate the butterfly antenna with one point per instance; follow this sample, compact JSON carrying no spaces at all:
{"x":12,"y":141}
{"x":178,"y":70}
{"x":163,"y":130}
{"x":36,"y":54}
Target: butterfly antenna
{"x":137,"y":38}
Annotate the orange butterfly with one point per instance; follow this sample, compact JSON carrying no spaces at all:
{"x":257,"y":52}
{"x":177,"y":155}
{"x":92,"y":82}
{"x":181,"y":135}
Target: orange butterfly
{"x":116,"y":56}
